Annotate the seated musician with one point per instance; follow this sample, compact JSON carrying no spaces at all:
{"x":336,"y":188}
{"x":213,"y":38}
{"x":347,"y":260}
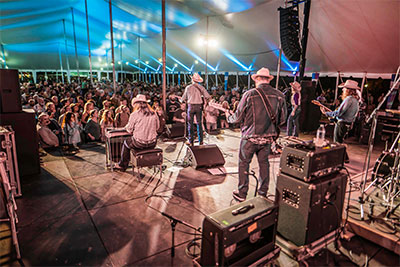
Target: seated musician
{"x":143,"y":124}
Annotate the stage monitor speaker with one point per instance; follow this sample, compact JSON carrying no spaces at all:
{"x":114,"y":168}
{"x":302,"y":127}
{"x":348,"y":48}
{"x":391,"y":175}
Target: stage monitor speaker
{"x":310,"y":113}
{"x":239,"y":235}
{"x":10,"y":97}
{"x":289,"y":32}
{"x":175,"y":130}
{"x":205,"y":156}
{"x":26,"y":139}
{"x":309,"y":211}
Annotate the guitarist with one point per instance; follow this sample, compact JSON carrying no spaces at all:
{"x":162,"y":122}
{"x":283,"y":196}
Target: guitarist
{"x":346,"y":113}
{"x":193,"y":97}
{"x":260,"y":112}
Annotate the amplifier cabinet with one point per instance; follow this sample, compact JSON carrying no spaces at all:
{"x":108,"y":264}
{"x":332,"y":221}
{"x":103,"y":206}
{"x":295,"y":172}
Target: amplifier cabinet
{"x":240,"y":239}
{"x":308,"y":164}
{"x":308,"y":211}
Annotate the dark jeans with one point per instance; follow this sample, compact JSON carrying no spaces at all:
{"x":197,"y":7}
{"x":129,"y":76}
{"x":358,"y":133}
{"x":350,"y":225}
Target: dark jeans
{"x":339,"y":133}
{"x":341,"y":129}
{"x":293,"y":125}
{"x":129,"y":144}
{"x":195,"y":110}
{"x":247,"y":150}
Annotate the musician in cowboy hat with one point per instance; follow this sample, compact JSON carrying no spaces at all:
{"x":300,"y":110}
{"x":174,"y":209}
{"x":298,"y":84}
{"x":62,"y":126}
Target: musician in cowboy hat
{"x":254,"y":112}
{"x":293,"y":125}
{"x":143,"y":124}
{"x":346,"y":113}
{"x":194,"y":96}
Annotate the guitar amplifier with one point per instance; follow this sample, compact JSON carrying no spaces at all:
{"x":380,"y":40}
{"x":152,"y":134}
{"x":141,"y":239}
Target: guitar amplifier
{"x":239,"y":235}
{"x":307,"y":162}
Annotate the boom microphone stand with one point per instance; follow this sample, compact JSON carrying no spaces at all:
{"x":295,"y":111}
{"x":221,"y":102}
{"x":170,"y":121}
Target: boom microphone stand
{"x":371,"y":139}
{"x":174,"y":221}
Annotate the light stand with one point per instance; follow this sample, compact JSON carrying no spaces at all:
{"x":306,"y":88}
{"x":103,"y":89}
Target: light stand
{"x":374,"y":119}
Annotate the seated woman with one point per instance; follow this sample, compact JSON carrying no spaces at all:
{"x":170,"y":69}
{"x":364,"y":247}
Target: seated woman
{"x":143,"y":124}
{"x":71,"y":130}
{"x":92,"y":127}
{"x":107,"y":121}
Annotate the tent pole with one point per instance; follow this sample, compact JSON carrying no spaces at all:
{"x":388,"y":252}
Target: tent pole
{"x":4,"y":56}
{"x":112,"y":48}
{"x":248,"y":81}
{"x":76,"y":49}
{"x":206,"y":54}
{"x":61,"y":65}
{"x":66,"y":54}
{"x":164,"y":85}
{"x":304,"y":39}
{"x":88,"y":39}
{"x":120,"y":59}
{"x":337,"y":84}
{"x":363,"y":82}
{"x":278,"y":71}
{"x":237,"y":79}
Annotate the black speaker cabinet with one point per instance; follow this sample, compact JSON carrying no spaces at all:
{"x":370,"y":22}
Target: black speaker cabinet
{"x":241,"y":239}
{"x":175,"y":130}
{"x":289,"y":32}
{"x":26,"y":139}
{"x":205,"y":156}
{"x":310,"y":113}
{"x":308,"y":211}
{"x":10,"y":97}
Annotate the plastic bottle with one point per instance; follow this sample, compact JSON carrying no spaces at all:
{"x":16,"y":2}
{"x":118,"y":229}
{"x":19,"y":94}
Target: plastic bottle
{"x":320,"y":138}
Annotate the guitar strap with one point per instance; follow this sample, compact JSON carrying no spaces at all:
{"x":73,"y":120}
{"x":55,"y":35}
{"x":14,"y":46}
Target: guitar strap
{"x":268,"y":107}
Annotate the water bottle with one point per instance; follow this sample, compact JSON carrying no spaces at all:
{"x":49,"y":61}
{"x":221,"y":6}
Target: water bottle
{"x":320,"y":138}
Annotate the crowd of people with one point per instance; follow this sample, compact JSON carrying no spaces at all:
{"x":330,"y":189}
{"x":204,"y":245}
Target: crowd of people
{"x":72,"y":114}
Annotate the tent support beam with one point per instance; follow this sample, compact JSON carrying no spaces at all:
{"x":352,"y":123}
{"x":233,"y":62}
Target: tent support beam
{"x":363,"y":82}
{"x":337,"y":84}
{"x":278,"y":71}
{"x":4,"y":56}
{"x":61,"y":65}
{"x":76,"y":49}
{"x":112,"y":48}
{"x":164,"y":80}
{"x":304,"y":38}
{"x":88,"y":39}
{"x":66,"y":54}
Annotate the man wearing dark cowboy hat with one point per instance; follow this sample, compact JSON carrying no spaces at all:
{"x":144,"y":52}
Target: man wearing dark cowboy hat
{"x":258,"y":130}
{"x":346,"y":113}
{"x":193,"y":97}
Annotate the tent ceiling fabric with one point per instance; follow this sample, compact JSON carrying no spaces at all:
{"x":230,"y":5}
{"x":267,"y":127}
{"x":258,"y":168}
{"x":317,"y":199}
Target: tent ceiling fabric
{"x":347,"y":36}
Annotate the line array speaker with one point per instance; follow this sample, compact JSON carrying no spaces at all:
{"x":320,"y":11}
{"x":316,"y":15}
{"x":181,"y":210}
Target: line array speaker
{"x":10,"y":97}
{"x":289,"y":32}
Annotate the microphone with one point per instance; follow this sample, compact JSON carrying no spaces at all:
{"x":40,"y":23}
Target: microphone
{"x":243,"y":209}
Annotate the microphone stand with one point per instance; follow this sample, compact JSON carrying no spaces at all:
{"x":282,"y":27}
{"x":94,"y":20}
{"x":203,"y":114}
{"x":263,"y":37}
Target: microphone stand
{"x":371,"y":139}
{"x":174,"y":221}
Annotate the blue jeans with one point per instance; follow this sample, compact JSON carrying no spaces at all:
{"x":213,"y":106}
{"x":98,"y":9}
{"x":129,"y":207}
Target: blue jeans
{"x":293,"y":125}
{"x":246,"y":153}
{"x":195,"y":110}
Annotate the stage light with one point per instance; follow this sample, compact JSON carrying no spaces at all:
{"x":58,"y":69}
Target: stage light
{"x":201,"y":41}
{"x":366,"y":85}
{"x":136,"y":61}
{"x":101,"y":69}
{"x":147,"y":62}
{"x":6,"y":67}
{"x":176,"y":65}
{"x":160,"y":59}
{"x":196,"y":62}
{"x":212,"y":43}
{"x":119,"y":62}
{"x":127,"y":63}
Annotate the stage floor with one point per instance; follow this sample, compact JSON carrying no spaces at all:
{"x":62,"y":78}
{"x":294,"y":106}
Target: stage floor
{"x":77,"y":212}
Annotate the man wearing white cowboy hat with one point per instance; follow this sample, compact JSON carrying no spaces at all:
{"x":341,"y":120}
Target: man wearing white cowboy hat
{"x":346,"y":113}
{"x":260,"y":112}
{"x":143,"y":124}
{"x":293,"y":125}
{"x":193,"y":97}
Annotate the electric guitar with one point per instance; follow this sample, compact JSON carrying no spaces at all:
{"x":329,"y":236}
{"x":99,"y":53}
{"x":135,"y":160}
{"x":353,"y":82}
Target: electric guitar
{"x":315,"y":102}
